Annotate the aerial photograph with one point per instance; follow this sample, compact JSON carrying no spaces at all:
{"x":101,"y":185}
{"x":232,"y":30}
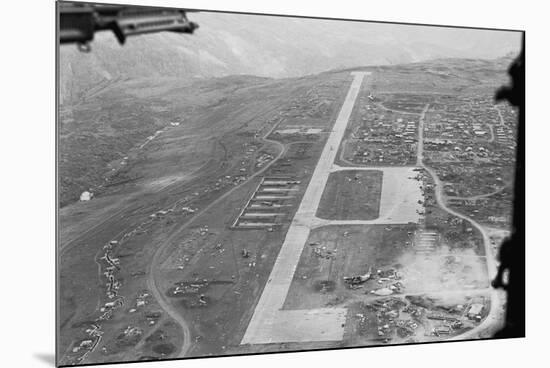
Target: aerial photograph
{"x":233,"y":184}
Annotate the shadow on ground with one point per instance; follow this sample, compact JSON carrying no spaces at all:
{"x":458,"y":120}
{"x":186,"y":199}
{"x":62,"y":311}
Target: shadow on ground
{"x":46,"y":358}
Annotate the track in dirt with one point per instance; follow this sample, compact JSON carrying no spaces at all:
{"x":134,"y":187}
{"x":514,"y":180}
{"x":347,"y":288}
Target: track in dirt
{"x":155,"y":262}
{"x":124,"y":218}
{"x":490,"y":261}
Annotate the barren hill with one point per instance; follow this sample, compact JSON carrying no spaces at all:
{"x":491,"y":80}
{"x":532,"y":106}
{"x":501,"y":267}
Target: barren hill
{"x":277,"y":47}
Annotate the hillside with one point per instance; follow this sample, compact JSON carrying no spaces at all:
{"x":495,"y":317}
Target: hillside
{"x":277,"y":47}
{"x":103,"y":136}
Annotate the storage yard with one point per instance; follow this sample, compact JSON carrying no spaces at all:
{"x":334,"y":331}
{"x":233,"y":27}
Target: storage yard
{"x":269,"y":205}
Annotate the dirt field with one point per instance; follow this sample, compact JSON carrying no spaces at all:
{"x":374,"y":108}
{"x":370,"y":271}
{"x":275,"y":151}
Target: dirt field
{"x":445,"y":280}
{"x":217,"y":256}
{"x":176,"y":175}
{"x":333,"y":252}
{"x":351,"y":195}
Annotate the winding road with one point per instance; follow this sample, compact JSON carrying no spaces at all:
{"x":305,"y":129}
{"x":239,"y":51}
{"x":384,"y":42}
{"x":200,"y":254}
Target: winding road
{"x":490,"y":260}
{"x":480,"y":196}
{"x":152,"y":283}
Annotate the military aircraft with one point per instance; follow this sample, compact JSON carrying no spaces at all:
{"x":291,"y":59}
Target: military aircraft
{"x":359,"y":279}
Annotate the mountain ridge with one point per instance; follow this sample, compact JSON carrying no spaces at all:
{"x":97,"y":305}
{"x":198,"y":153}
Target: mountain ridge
{"x":267,"y":46}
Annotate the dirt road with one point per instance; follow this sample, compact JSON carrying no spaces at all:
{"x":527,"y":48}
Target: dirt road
{"x":491,"y":264}
{"x":153,"y":271}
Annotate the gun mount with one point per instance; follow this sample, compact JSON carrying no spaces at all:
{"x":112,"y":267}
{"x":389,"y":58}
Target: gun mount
{"x":78,"y":22}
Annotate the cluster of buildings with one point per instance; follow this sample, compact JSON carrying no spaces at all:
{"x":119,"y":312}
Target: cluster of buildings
{"x":314,"y":104}
{"x":297,"y":133}
{"x":387,"y":139}
{"x":470,"y":142}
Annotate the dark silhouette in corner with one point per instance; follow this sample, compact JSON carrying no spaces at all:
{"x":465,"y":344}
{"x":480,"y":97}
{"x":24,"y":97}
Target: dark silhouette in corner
{"x":511,"y":272}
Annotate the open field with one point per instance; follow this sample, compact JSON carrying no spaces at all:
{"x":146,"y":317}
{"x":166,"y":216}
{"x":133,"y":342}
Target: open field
{"x":351,"y":195}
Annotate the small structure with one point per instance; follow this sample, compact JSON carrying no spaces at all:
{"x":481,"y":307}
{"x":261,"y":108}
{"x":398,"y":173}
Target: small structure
{"x":475,"y":311}
{"x":382,"y":292}
{"x":86,"y":196}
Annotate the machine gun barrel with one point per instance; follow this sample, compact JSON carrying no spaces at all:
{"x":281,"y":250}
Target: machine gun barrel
{"x":79,"y":22}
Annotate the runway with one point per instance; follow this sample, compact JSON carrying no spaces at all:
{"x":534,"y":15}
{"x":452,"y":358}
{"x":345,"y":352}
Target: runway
{"x":269,"y":323}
